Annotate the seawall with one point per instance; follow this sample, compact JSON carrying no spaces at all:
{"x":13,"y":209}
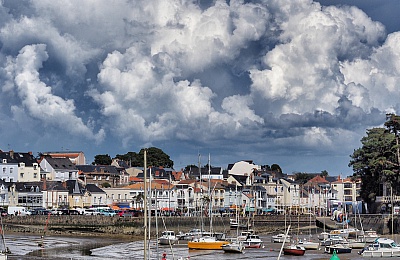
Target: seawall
{"x":133,"y":226}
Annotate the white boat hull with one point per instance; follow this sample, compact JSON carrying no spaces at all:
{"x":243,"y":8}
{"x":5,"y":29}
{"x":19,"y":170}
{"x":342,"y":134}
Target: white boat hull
{"x":310,"y":245}
{"x":233,"y":248}
{"x":380,"y":253}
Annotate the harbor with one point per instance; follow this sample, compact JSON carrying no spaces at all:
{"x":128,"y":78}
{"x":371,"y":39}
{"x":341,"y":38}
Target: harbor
{"x":79,"y":248}
{"x":100,"y":237}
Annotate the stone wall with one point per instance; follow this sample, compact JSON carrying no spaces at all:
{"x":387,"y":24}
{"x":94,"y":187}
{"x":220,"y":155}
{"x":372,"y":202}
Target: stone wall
{"x":133,"y":226}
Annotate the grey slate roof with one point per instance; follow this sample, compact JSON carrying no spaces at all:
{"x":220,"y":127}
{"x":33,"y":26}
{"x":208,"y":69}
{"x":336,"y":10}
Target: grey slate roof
{"x":61,"y":163}
{"x":97,"y":168}
{"x":16,"y":157}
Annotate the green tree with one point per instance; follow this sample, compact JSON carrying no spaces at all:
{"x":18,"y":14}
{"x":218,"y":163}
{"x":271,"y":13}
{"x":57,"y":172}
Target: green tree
{"x":324,"y":173}
{"x":102,"y":159}
{"x":155,"y":157}
{"x":302,"y":177}
{"x":276,"y":168}
{"x":371,"y":163}
{"x":129,"y":158}
{"x":106,"y":185}
{"x":393,"y":126}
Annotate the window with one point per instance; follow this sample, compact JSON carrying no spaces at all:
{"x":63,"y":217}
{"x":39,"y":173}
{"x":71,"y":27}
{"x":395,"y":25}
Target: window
{"x":35,"y":175}
{"x":11,"y":170}
{"x":4,"y":169}
{"x":22,"y":175}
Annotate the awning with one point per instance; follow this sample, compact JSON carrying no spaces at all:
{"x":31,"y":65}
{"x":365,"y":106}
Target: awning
{"x":250,"y":209}
{"x":167,"y":209}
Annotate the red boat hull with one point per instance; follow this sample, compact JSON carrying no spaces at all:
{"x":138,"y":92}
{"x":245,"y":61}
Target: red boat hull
{"x":290,"y":251}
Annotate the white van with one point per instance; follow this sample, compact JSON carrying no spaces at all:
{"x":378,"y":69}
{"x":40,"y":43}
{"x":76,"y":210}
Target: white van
{"x":91,"y":211}
{"x":18,"y":211}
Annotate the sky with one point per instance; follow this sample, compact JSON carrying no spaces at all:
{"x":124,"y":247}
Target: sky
{"x":293,"y":83}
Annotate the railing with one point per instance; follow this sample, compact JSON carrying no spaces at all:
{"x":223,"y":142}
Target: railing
{"x":387,"y":199}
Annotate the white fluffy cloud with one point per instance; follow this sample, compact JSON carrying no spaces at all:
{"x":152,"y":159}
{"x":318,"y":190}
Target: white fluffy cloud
{"x":228,"y":76}
{"x":37,"y":98}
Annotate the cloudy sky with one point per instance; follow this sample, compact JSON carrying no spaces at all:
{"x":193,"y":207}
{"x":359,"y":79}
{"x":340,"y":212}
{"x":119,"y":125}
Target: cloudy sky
{"x":295,"y":83}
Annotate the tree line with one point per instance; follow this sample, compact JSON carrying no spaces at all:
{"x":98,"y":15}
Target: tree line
{"x":376,"y":162}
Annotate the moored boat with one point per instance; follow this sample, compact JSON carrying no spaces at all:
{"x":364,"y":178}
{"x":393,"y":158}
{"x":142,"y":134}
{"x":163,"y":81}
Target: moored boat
{"x":309,"y":245}
{"x":370,"y":236}
{"x":382,"y":247}
{"x":356,"y":243}
{"x":167,"y":238}
{"x":338,"y":248}
{"x":206,"y":243}
{"x":280,"y":238}
{"x":332,"y":240}
{"x":253,"y":241}
{"x":295,"y":250}
{"x":233,"y":247}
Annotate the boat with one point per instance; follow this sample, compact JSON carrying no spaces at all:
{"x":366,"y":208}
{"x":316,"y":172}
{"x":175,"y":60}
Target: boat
{"x":233,"y":247}
{"x":192,"y":234}
{"x":370,"y":236}
{"x":279,"y":238}
{"x":356,"y":243}
{"x":253,"y":241}
{"x":338,"y":248}
{"x":341,"y":232}
{"x":382,"y":247}
{"x":309,"y":245}
{"x":296,"y":250}
{"x":206,"y":243}
{"x":332,"y":240}
{"x":243,"y":235}
{"x":167,"y":238}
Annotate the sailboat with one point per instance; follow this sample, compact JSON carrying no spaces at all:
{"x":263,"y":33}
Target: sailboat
{"x":358,"y":242}
{"x":208,"y":242}
{"x":236,"y":245}
{"x":309,"y":244}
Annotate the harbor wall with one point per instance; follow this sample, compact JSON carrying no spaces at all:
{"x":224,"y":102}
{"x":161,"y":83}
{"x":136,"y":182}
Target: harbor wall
{"x":133,"y":226}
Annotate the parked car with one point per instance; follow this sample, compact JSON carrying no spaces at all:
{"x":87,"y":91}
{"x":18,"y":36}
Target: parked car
{"x":55,"y":211}
{"x":91,"y":211}
{"x":69,"y":212}
{"x":80,"y":210}
{"x":132,"y":213}
{"x":108,"y":212}
{"x":40,"y":211}
{"x":121,"y":212}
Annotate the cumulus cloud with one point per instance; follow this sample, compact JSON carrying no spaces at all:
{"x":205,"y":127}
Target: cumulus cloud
{"x":37,"y":98}
{"x":226,"y":75}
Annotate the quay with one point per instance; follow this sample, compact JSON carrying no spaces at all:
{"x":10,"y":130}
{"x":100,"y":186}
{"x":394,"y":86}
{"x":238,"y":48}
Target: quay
{"x":133,"y":226}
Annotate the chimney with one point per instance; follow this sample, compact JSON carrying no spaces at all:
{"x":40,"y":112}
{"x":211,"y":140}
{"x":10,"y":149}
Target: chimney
{"x":44,"y":184}
{"x":12,"y":154}
{"x":30,"y":153}
{"x":64,"y":184}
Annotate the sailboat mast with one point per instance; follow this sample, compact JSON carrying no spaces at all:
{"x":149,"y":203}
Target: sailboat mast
{"x":149,"y":211}
{"x":145,"y":205}
{"x":201,"y":197}
{"x":209,"y":193}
